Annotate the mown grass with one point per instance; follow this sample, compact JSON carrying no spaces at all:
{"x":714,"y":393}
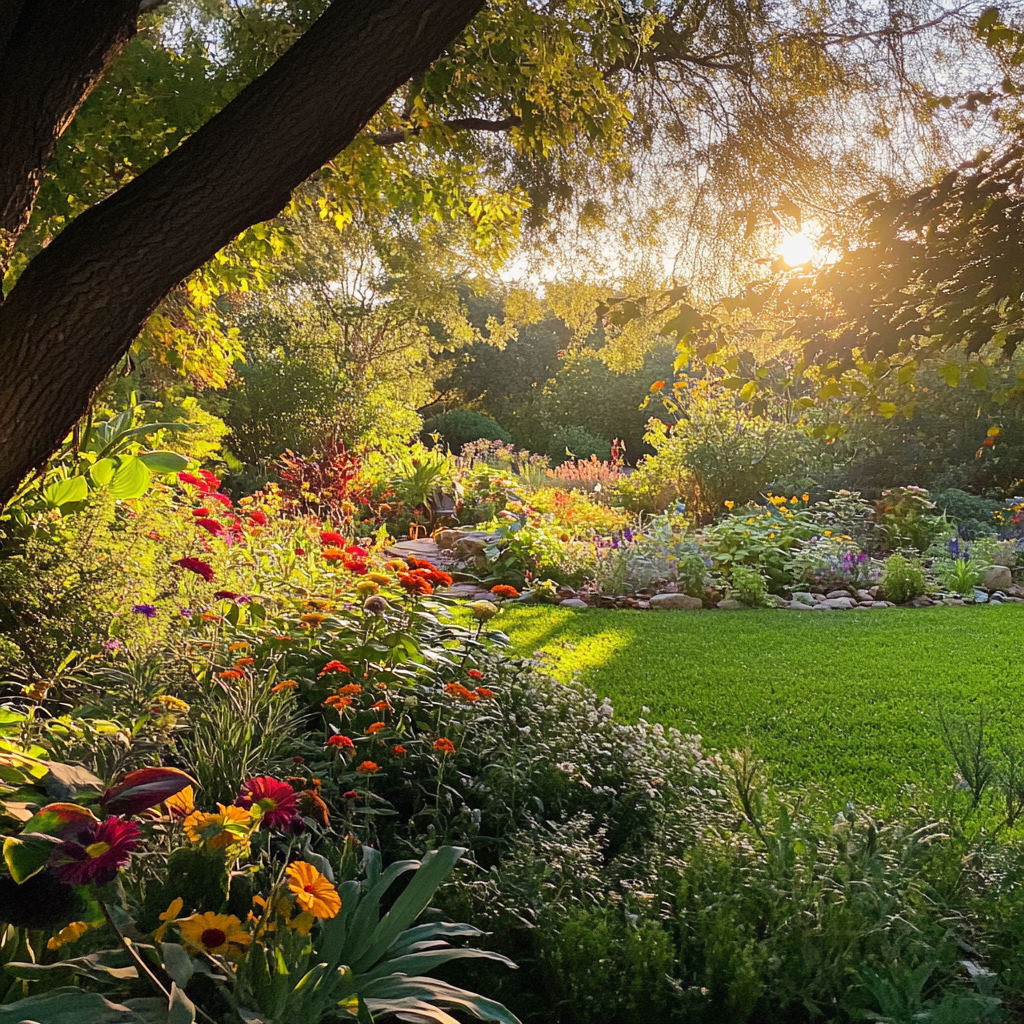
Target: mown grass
{"x":850,"y":700}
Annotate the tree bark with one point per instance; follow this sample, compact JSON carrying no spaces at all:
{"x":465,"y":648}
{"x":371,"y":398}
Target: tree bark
{"x":52,"y":54}
{"x":81,"y":302}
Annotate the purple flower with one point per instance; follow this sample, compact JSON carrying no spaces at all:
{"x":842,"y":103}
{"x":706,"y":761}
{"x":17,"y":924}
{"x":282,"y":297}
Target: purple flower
{"x":185,"y":613}
{"x":148,"y":610}
{"x":954,"y":547}
{"x":111,"y":645}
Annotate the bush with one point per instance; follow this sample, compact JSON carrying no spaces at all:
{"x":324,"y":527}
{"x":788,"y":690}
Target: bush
{"x":582,"y":445}
{"x":902,"y":579}
{"x":462,"y":426}
{"x":748,"y":586}
{"x":972,"y":513}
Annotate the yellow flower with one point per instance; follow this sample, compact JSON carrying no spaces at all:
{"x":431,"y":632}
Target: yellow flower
{"x":71,"y":933}
{"x":312,"y":618}
{"x":366,"y":588}
{"x":217,"y":934}
{"x":828,"y":533}
{"x":805,"y":497}
{"x":182,"y":804}
{"x":729,"y":504}
{"x":241,"y":645}
{"x":379,"y":578}
{"x":793,"y":500}
{"x":313,"y":893}
{"x":173,"y":703}
{"x":169,"y":916}
{"x":230,"y":826}
{"x":750,"y":521}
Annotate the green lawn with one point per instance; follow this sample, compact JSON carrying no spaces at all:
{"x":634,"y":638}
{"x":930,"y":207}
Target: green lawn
{"x":848,"y":699}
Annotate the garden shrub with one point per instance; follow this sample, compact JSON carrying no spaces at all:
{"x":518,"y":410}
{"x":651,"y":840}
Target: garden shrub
{"x":902,"y":579}
{"x":906,"y":519}
{"x":459,"y":427}
{"x":973,"y":514}
{"x":747,"y":585}
{"x":568,"y":443}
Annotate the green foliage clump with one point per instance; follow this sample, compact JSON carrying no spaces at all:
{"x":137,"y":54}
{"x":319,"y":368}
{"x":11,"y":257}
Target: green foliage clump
{"x":746,"y":584}
{"x":577,"y":443}
{"x":902,"y":579}
{"x":459,"y":427}
{"x":972,"y":513}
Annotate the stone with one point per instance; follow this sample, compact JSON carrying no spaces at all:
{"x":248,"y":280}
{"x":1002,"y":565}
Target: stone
{"x":980,"y":597}
{"x":866,"y":604}
{"x":865,"y":595}
{"x":922,"y":602}
{"x":823,"y":607}
{"x":731,"y":605}
{"x":818,"y":598}
{"x":803,"y":597}
{"x":573,"y":602}
{"x":882,"y":604}
{"x":642,"y":606}
{"x":840,"y":604}
{"x":1006,"y":555}
{"x":873,"y":591}
{"x":998,"y":578}
{"x":800,"y":606}
{"x":680,"y":602}
{"x":1015,"y":591}
{"x":1014,"y":600}
{"x":445,"y":539}
{"x":834,"y":595}
{"x":994,"y":601}
{"x":469,"y":547}
{"x":954,"y":601}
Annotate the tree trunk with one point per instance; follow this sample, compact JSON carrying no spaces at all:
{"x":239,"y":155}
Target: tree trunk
{"x":52,"y":54}
{"x":81,"y":302}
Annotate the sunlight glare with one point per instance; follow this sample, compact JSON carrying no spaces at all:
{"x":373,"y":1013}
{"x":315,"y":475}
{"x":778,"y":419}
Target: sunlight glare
{"x":796,"y":250}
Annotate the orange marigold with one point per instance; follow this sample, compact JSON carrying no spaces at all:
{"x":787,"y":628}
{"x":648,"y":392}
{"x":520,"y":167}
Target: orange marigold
{"x":482,"y":691}
{"x":368,"y":768}
{"x":502,"y":590}
{"x":444,"y":746}
{"x":333,"y":554}
{"x":351,"y":688}
{"x":375,"y":727}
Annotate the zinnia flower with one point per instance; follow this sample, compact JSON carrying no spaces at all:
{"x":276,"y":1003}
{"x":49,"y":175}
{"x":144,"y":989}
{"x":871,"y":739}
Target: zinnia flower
{"x":341,"y":741}
{"x":338,"y":702}
{"x":258,"y":517}
{"x":332,"y":538}
{"x":378,"y":578}
{"x":375,"y":727}
{"x":444,"y":746}
{"x":350,"y":688}
{"x":274,"y":798}
{"x":197,"y":566}
{"x":312,"y":618}
{"x":502,"y":590}
{"x":97,"y":853}
{"x":222,"y":498}
{"x":313,"y":893}
{"x":414,"y":584}
{"x":483,"y":691}
{"x":214,"y":933}
{"x":332,"y":666}
{"x":368,"y":768}
{"x":398,"y":749}
{"x":333,"y":554}
{"x":231,"y":673}
{"x":475,"y":673}
{"x":354,"y":549}
{"x":188,"y":478}
{"x":148,"y":610}
{"x":219,"y":831}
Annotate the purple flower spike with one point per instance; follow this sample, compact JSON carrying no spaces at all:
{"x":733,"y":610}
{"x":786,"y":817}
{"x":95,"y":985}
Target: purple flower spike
{"x":148,"y":610}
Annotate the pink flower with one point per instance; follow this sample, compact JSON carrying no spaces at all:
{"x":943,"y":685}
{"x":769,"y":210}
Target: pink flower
{"x":275,"y":798}
{"x":97,"y":853}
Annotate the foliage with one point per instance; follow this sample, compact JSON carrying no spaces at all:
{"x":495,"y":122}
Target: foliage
{"x":577,"y":443}
{"x":459,"y":427}
{"x":960,"y":575}
{"x":904,"y":516}
{"x":902,"y":579}
{"x":973,"y":515}
{"x":747,"y":585}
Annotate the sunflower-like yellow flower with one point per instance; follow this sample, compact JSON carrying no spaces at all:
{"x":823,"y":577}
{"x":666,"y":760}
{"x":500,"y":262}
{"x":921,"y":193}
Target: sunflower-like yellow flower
{"x":313,"y":893}
{"x":182,"y":803}
{"x":216,"y":934}
{"x":70,"y":933}
{"x":229,"y":827}
{"x":312,"y":618}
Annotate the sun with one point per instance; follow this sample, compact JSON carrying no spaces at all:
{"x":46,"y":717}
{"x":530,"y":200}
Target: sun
{"x":796,"y":250}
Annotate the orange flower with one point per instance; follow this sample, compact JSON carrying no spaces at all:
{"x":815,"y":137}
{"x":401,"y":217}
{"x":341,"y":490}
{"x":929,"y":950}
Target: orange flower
{"x":351,"y":688}
{"x":501,"y":590}
{"x":368,"y":768}
{"x":231,"y":673}
{"x":333,"y":554}
{"x":245,"y":662}
{"x":414,"y":584}
{"x":312,"y":618}
{"x":313,"y":893}
{"x":333,"y":666}
{"x":338,"y":703}
{"x":340,"y":741}
{"x":482,"y":691}
{"x":475,"y":673}
{"x":375,"y":727}
{"x":444,"y":746}
{"x":398,"y":749}
{"x":381,"y":705}
{"x":285,"y":684}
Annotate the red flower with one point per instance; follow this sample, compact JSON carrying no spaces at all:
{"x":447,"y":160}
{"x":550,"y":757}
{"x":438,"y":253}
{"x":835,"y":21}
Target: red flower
{"x":276,"y":799}
{"x":227,"y":595}
{"x":354,"y":565}
{"x":333,"y":666}
{"x":188,"y":478}
{"x":475,"y":673}
{"x":341,"y":741}
{"x":97,"y":852}
{"x":444,"y":746}
{"x":300,"y":551}
{"x":353,"y":549}
{"x":199,"y":567}
{"x":350,"y":794}
{"x":258,"y":517}
{"x":502,"y":590}
{"x":398,"y":749}
{"x":414,"y":584}
{"x":332,"y":538}
{"x":374,"y":727}
{"x":211,"y":480}
{"x":222,"y":498}
{"x":211,"y":526}
{"x":201,"y":511}
{"x":368,"y":768}
{"x":482,"y":691}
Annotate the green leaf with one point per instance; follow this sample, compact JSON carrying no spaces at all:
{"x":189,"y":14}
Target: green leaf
{"x":131,"y":479}
{"x":950,"y":373}
{"x":181,"y":1009}
{"x":887,"y":409}
{"x":102,"y":472}
{"x":68,"y":1005}
{"x":164,"y":462}
{"x":27,"y":855}
{"x":177,"y":962}
{"x":66,"y":492}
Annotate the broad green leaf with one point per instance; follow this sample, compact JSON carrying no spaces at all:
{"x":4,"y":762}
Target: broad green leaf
{"x":887,"y":409}
{"x":181,"y":1009}
{"x":66,"y":492}
{"x":164,"y":462}
{"x":950,"y":373}
{"x":68,"y":1005}
{"x":102,"y":472}
{"x":131,"y":479}
{"x":27,"y":855}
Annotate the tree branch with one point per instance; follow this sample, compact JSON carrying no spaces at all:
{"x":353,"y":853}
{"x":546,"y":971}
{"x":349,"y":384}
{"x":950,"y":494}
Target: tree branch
{"x":475,"y":124}
{"x":81,"y":302}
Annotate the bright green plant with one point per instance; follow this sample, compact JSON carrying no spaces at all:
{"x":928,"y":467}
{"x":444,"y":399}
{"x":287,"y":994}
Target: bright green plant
{"x":459,"y":427}
{"x":907,"y":518}
{"x":902,"y":579}
{"x":960,"y":575}
{"x":746,"y":584}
